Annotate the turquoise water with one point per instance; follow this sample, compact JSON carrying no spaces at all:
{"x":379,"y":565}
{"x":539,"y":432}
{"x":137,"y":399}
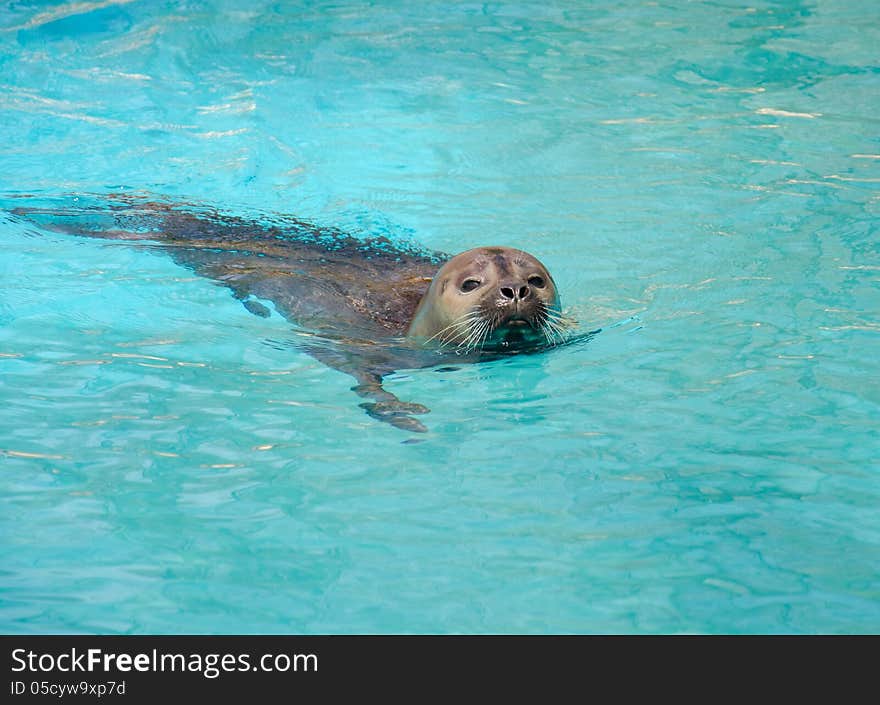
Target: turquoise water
{"x":705,"y":174}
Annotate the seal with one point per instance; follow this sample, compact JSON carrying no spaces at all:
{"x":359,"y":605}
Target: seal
{"x":364,"y":307}
{"x":489,"y":298}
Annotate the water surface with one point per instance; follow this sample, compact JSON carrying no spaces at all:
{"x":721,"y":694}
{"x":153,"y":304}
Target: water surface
{"x":705,"y":174}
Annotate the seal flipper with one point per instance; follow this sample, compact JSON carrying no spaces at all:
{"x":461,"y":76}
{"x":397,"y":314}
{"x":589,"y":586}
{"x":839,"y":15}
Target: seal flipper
{"x":381,"y":411}
{"x":256,"y":308}
{"x":383,"y":405}
{"x":387,"y":407}
{"x":252,"y":305}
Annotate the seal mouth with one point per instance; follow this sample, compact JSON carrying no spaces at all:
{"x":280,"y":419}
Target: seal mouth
{"x":517,"y":330}
{"x":503,"y":329}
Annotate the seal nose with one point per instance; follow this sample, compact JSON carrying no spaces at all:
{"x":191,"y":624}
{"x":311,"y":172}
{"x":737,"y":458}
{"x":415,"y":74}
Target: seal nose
{"x":515,"y":293}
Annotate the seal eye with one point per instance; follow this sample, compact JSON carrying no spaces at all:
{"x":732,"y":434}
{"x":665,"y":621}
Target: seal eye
{"x":469,"y":284}
{"x":537,"y":282}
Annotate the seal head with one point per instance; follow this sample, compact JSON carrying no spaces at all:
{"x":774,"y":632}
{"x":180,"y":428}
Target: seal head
{"x":489,"y":298}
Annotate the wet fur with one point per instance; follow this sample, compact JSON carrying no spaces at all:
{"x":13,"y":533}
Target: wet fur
{"x":358,"y":296}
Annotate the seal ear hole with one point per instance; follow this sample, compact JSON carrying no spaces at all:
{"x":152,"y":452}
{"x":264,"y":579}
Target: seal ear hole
{"x":537,"y":282}
{"x":469,"y":284}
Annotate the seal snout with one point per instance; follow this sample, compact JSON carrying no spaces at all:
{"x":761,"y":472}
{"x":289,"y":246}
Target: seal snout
{"x":488,"y":297}
{"x":516,"y":304}
{"x":515,"y":292}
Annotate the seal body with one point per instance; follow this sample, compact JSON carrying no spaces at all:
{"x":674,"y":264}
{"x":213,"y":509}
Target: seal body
{"x":371,"y":306}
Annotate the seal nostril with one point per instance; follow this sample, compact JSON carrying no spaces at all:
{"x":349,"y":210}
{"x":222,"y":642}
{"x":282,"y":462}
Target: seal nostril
{"x":507,"y":292}
{"x":523,"y":292}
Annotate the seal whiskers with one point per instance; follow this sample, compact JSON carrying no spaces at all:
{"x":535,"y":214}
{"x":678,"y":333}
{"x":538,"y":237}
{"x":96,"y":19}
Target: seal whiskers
{"x":466,"y":320}
{"x":553,"y":324}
